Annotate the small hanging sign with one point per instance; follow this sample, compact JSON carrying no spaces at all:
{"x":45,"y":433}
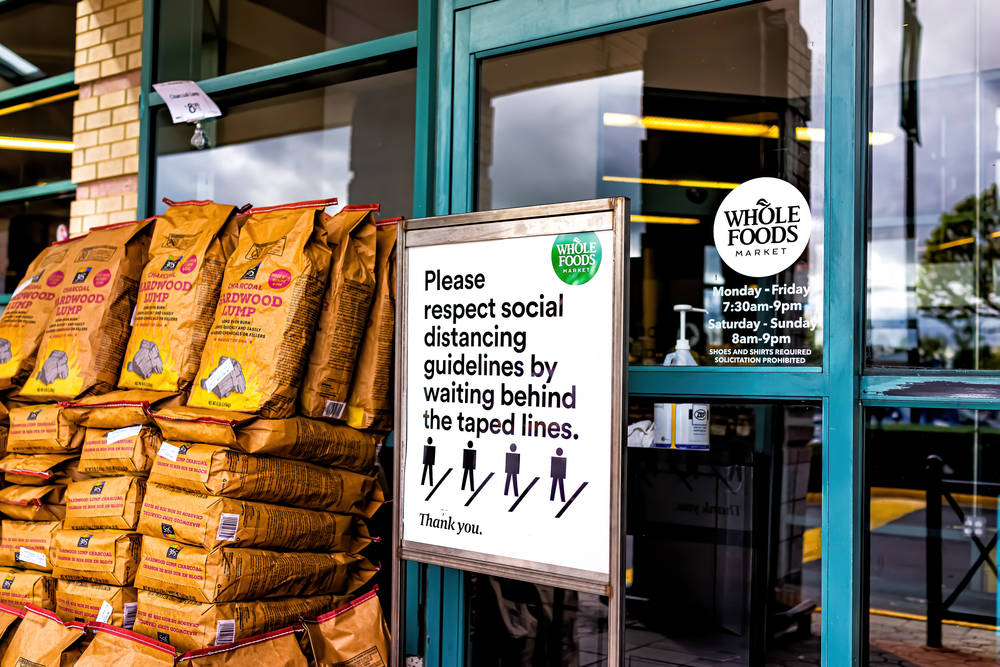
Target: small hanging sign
{"x":187,"y":102}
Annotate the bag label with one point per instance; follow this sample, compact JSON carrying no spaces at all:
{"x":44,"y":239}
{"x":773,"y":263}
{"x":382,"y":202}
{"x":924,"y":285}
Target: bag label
{"x":229,"y":524}
{"x":225,"y":632}
{"x":31,"y":556}
{"x":169,"y":451}
{"x":123,"y":433}
{"x":104,"y":615}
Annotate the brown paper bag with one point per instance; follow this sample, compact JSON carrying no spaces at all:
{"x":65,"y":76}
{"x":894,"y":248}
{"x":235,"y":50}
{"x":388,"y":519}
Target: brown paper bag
{"x":355,"y":634}
{"x":121,"y":451}
{"x":117,"y":646}
{"x":370,"y":404}
{"x":40,"y":639}
{"x":43,"y":429}
{"x":279,"y":648}
{"x":21,"y":587}
{"x":342,"y":320}
{"x":86,"y":602}
{"x":217,"y":471}
{"x":190,"y":625}
{"x":84,"y":342}
{"x":119,"y":408}
{"x":104,"y":502}
{"x":214,"y":521}
{"x":229,"y":574}
{"x":103,"y":556}
{"x":28,"y":544}
{"x":33,"y":503}
{"x":178,"y":293}
{"x":26,"y":315}
{"x":34,"y":469}
{"x":256,"y":351}
{"x":9,"y":619}
{"x":293,"y":438}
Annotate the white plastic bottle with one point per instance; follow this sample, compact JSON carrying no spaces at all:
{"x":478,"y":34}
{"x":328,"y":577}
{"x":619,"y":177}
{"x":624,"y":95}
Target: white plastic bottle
{"x":681,"y":425}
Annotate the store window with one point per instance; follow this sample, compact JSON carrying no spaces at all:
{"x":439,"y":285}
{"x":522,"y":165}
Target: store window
{"x":722,"y":553}
{"x":934,"y":251}
{"x":675,"y":116}
{"x":36,"y":140}
{"x":351,"y":140}
{"x":200,"y":39}
{"x":933,"y":489}
{"x":37,"y":40}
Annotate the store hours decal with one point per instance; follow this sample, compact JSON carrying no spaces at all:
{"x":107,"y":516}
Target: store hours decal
{"x":761,"y":229}
{"x":509,"y":397}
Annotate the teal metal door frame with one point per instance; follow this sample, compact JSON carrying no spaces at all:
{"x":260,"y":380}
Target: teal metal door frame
{"x":470,"y":30}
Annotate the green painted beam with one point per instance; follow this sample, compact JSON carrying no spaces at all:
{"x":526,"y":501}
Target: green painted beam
{"x":724,"y":382}
{"x":34,"y":88}
{"x":36,"y":191}
{"x":299,"y":67}
{"x":932,"y":389}
{"x":147,"y":117}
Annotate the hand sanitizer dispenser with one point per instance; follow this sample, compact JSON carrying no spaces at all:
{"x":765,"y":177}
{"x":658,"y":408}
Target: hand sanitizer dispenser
{"x":681,"y":425}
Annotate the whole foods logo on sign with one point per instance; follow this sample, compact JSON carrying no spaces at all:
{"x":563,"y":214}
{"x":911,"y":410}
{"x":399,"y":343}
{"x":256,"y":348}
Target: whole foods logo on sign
{"x":762,"y":227}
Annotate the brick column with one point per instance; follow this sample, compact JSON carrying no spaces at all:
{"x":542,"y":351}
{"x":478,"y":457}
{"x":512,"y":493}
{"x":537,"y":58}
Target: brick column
{"x":106,"y":114}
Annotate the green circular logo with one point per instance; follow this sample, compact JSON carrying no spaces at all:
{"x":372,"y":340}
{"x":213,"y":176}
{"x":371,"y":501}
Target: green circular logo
{"x":576,"y":257}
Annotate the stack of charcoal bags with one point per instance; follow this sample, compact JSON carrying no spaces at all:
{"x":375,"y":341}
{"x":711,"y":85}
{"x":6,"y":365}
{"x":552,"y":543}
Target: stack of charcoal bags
{"x":229,"y":487}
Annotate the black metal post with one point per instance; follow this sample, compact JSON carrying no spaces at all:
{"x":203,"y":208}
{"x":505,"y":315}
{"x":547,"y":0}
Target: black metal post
{"x":935,"y":610}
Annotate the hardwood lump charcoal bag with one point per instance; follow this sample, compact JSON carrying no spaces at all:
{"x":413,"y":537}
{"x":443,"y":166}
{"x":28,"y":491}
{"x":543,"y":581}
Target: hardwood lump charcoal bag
{"x":189,"y":625}
{"x":344,"y":315}
{"x":217,"y":471}
{"x":370,"y":403}
{"x":39,"y":469}
{"x":21,"y":587}
{"x":85,"y":602}
{"x":104,"y":502}
{"x":82,"y":349}
{"x":28,"y":544}
{"x":279,"y":648}
{"x":119,"y":408}
{"x":214,"y":521}
{"x":113,"y":646}
{"x":178,"y":293}
{"x":33,"y":503}
{"x":25,"y":317}
{"x":121,"y":451}
{"x":40,"y":639}
{"x":229,"y":574}
{"x":9,"y":618}
{"x":103,"y":556}
{"x":355,"y":634}
{"x":272,"y":290}
{"x":293,"y":438}
{"x":43,"y":429}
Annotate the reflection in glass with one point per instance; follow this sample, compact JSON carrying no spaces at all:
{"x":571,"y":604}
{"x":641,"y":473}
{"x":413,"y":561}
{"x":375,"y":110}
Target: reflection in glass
{"x":674,"y":116}
{"x":723,"y":546}
{"x":200,"y":39}
{"x":934,"y":252}
{"x":37,"y":40}
{"x":933,"y":489}
{"x":26,"y":227}
{"x":46,"y":157}
{"x":353,"y":141}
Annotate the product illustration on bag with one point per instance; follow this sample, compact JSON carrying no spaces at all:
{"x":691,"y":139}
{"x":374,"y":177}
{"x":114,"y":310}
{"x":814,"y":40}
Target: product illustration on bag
{"x":56,"y":367}
{"x":227,"y":378}
{"x":146,"y":361}
{"x":5,"y":354}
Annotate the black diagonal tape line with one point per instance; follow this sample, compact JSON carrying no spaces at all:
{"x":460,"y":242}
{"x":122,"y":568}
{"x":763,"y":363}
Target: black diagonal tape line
{"x":571,"y":499}
{"x":440,"y":481}
{"x":523,"y":494}
{"x":473,"y":496}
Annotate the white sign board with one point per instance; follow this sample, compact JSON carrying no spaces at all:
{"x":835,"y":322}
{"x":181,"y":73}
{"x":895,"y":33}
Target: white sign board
{"x":513,"y":390}
{"x":186,"y":101}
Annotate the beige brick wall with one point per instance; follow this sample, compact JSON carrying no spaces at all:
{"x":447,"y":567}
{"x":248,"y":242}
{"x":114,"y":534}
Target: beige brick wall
{"x":106,"y":114}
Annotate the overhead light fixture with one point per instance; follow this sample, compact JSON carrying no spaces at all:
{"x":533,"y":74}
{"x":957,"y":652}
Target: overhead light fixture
{"x":726,"y":128}
{"x":665,"y":220}
{"x":42,"y":145}
{"x":681,"y":182}
{"x":14,"y":108}
{"x":19,"y":65}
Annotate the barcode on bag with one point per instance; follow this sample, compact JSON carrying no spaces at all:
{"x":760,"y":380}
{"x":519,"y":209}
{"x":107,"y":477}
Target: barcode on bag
{"x":228,"y":525}
{"x":334,"y":409}
{"x":128,"y":618}
{"x":225,"y":632}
